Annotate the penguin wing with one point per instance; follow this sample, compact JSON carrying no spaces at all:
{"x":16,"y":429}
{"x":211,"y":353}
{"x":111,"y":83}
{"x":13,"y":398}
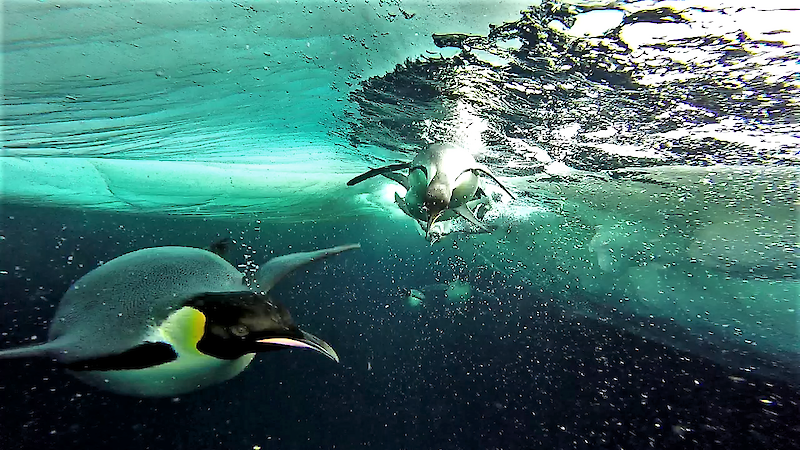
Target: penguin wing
{"x":485,"y":170}
{"x":401,"y":203}
{"x":464,"y":212}
{"x":442,"y":287}
{"x":275,"y":269}
{"x":46,"y":349}
{"x":397,"y":177}
{"x":145,"y":354}
{"x":377,"y":171}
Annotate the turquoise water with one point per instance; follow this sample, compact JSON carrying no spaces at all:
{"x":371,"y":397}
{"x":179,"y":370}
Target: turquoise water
{"x":652,"y":148}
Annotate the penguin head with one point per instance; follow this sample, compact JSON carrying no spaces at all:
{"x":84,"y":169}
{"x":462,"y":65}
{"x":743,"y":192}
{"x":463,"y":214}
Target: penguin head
{"x":437,"y":200}
{"x":238,"y":323}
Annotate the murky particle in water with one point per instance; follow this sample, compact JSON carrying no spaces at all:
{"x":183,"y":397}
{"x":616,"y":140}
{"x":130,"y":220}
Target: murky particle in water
{"x":680,"y":430}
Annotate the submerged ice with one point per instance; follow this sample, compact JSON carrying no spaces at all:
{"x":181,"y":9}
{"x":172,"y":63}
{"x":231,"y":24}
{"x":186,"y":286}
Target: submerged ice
{"x":657,"y":176}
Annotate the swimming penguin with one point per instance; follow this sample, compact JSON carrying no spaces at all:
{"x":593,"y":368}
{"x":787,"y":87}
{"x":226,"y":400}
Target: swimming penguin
{"x":441,"y":179}
{"x":455,"y":296}
{"x":414,"y":297}
{"x":165,"y":321}
{"x":221,"y":247}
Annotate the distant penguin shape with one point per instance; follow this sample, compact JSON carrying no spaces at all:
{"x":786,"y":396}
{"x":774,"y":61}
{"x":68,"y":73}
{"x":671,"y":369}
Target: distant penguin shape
{"x":441,"y":179}
{"x":165,"y":321}
{"x":221,"y":247}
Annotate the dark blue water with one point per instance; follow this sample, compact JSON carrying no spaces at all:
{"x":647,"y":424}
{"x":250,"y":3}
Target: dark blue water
{"x":518,"y":372}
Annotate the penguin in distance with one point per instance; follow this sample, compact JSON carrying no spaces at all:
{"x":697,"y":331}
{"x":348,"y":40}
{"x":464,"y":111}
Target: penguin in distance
{"x":165,"y":321}
{"x":442,"y":182}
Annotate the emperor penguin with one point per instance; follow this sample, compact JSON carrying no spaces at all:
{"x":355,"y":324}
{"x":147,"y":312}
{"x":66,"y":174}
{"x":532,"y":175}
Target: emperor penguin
{"x":441,"y":179}
{"x":165,"y":321}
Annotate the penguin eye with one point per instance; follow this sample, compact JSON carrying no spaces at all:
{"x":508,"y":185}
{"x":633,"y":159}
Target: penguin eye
{"x":239,"y":330}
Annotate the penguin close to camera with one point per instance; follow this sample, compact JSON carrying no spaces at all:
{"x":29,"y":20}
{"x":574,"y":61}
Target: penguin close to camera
{"x":441,"y":179}
{"x":165,"y":321}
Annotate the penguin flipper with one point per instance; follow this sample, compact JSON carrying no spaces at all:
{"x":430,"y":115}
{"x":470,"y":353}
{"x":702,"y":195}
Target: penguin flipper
{"x":397,"y":177}
{"x":464,"y":212}
{"x":485,"y":170}
{"x":46,"y":349}
{"x":479,"y":207}
{"x":443,"y":287}
{"x":275,"y":269}
{"x":377,"y":171}
{"x":146,"y":355}
{"x":401,"y":202}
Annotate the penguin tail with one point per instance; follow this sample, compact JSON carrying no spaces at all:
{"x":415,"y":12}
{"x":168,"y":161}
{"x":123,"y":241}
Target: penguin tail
{"x":45,"y":349}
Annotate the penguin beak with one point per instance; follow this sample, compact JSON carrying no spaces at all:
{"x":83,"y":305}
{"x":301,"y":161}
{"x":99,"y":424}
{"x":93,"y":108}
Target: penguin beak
{"x":431,"y":220}
{"x":307,"y":340}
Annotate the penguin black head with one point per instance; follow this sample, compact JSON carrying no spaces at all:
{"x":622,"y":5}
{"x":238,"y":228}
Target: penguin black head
{"x":437,"y":200}
{"x":238,"y":323}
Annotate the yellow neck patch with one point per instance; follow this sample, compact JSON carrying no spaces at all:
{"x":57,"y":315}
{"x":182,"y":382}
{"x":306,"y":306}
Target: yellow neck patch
{"x":183,"y":329}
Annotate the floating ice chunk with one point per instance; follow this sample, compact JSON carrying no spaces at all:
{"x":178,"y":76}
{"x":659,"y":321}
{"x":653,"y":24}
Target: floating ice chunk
{"x":491,"y":58}
{"x":510,"y":44}
{"x":591,"y":23}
